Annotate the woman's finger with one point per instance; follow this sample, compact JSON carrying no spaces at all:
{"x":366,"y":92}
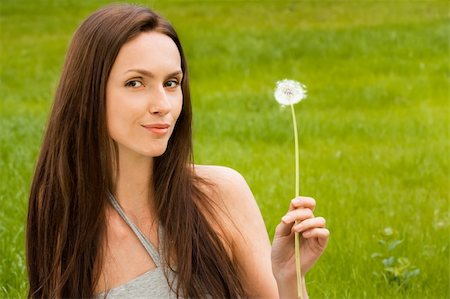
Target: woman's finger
{"x":309,"y":224}
{"x":302,"y":202}
{"x":283,"y":229}
{"x":298,"y":215}
{"x":288,"y":220}
{"x":322,"y":235}
{"x":300,"y":208}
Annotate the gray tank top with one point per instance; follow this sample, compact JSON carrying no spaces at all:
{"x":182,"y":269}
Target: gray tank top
{"x":153,"y":283}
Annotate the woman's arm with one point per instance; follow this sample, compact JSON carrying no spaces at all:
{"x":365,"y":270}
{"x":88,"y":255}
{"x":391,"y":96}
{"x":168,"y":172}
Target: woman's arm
{"x":250,"y":242}
{"x":268,"y":272}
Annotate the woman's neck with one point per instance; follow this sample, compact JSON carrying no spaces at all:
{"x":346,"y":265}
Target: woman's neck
{"x":133,"y":181}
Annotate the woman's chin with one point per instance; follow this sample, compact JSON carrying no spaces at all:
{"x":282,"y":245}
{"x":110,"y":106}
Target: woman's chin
{"x":155,"y":152}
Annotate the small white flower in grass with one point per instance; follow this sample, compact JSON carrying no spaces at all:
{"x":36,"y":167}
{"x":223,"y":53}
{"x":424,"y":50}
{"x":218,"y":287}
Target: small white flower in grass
{"x":289,"y":92}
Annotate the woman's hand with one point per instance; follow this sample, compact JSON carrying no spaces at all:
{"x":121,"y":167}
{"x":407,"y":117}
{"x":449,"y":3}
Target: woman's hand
{"x":313,"y":240}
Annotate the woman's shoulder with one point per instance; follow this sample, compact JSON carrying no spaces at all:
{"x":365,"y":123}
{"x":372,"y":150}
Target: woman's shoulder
{"x":226,"y":181}
{"x":228,"y":187}
{"x":216,"y":172}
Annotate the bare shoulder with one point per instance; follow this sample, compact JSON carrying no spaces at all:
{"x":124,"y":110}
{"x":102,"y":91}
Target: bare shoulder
{"x":217,"y":172}
{"x":228,"y":181}
{"x":230,"y":189}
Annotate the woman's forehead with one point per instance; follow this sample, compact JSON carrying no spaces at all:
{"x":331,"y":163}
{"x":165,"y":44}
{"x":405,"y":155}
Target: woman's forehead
{"x":151,"y":51}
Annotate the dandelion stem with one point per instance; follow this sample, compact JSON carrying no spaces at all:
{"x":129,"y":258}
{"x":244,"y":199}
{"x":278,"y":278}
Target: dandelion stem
{"x":297,"y":179}
{"x":297,"y":191}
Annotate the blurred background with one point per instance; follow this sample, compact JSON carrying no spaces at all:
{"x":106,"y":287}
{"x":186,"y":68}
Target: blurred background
{"x":374,"y":130}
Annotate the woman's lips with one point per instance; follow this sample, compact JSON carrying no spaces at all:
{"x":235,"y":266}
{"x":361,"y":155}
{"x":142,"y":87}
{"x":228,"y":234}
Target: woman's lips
{"x":158,"y":129}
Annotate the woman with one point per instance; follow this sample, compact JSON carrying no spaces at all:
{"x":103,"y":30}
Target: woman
{"x":117,"y":208}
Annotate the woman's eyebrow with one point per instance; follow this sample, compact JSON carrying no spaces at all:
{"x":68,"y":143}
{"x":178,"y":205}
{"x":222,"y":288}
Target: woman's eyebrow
{"x":151,"y":75}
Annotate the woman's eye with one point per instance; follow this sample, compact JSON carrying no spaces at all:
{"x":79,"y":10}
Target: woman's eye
{"x":171,"y":83}
{"x":134,"y":83}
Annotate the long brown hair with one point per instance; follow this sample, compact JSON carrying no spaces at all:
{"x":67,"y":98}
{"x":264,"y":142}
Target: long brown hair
{"x":66,"y":220}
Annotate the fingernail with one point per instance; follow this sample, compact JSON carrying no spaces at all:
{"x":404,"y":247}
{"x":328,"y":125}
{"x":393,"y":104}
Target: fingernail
{"x":286,"y":218}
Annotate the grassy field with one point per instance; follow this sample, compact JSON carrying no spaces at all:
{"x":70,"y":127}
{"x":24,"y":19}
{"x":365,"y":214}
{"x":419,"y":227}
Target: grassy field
{"x":374,"y":130}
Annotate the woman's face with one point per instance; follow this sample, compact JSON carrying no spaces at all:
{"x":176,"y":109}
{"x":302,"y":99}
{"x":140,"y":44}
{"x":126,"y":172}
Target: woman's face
{"x":143,"y":94}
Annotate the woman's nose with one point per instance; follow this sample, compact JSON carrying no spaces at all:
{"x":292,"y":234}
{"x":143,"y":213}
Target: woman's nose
{"x":159,"y":102}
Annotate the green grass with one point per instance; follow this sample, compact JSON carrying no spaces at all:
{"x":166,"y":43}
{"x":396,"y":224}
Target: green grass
{"x":374,"y":130}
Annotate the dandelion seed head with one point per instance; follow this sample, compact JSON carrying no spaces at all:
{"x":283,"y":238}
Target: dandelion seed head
{"x":289,"y":92}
